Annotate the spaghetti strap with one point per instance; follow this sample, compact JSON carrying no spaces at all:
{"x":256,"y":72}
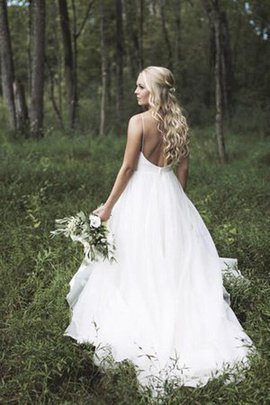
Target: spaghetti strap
{"x":142,"y":133}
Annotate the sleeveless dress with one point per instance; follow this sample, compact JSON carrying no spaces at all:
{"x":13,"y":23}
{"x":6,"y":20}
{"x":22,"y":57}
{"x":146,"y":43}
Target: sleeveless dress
{"x":162,"y":304}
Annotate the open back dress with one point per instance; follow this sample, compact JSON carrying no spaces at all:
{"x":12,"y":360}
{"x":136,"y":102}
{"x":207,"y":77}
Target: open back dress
{"x":161,"y":305}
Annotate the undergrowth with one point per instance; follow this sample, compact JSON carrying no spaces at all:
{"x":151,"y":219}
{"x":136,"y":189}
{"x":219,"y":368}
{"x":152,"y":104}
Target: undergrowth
{"x":59,"y":176}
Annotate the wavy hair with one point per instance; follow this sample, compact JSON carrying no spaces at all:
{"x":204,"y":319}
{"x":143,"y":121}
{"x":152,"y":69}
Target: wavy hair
{"x":172,"y":124}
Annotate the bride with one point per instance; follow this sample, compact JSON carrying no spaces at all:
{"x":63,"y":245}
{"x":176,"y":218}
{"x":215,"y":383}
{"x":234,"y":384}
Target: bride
{"x":161,"y":304}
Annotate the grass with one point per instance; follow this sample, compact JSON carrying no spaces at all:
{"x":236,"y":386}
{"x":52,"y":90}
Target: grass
{"x":62,"y":175}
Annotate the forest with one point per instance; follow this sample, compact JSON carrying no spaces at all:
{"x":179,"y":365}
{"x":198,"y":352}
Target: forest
{"x":68,"y":74}
{"x":73,"y":64}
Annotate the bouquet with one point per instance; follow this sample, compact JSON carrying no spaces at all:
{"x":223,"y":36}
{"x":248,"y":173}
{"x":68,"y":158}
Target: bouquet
{"x":95,"y":236}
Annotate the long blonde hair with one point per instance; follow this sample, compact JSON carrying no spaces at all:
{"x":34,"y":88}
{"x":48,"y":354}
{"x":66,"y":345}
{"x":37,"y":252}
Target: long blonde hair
{"x":159,"y":81}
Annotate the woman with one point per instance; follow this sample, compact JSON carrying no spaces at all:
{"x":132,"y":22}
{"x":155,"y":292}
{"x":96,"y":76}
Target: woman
{"x":161,"y":304}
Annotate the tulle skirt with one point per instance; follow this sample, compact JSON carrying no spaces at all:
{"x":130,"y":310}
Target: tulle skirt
{"x":162,"y":304}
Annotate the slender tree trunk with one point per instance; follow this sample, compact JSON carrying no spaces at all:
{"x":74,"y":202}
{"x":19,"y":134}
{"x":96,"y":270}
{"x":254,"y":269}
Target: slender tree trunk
{"x":70,"y":43}
{"x":213,"y":11}
{"x":141,"y":29}
{"x":21,"y":107}
{"x":133,"y":46}
{"x":218,"y":87}
{"x":177,"y":53}
{"x":53,"y":98}
{"x":166,"y":33}
{"x":75,"y":64}
{"x":7,"y":67}
{"x":29,"y":45}
{"x":38,"y":61}
{"x":119,"y":60}
{"x":227,"y":66}
{"x":103,"y":69}
{"x":224,"y":90}
{"x":69,"y":61}
{"x":109,"y":84}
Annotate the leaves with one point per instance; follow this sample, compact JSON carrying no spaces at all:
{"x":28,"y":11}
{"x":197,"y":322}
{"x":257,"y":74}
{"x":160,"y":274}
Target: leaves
{"x":96,"y":237}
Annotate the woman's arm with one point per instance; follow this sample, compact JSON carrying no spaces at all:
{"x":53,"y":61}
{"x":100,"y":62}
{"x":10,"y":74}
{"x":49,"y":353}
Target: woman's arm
{"x":182,"y":172}
{"x":129,"y":164}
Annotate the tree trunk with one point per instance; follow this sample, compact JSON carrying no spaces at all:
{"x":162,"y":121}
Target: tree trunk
{"x":214,"y":15}
{"x":177,"y":53}
{"x":56,"y":109}
{"x":109,"y":82}
{"x":7,"y":67}
{"x":141,"y":29}
{"x":227,"y":66}
{"x":218,"y":87}
{"x":119,"y":60}
{"x":133,"y":46}
{"x":38,"y":61}
{"x":165,"y":33}
{"x":75,"y":64}
{"x":69,"y":61}
{"x":21,"y":107}
{"x":103,"y":69}
{"x":29,"y":46}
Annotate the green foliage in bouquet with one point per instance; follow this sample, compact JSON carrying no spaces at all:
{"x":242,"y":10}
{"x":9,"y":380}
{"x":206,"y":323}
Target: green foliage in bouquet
{"x":95,"y":236}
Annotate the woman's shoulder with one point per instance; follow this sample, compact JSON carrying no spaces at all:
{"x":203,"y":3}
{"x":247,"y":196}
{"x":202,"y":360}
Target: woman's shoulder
{"x":135,"y":126}
{"x":136,"y":119}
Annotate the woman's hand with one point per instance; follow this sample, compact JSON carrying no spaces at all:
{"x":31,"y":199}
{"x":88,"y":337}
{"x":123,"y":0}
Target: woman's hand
{"x":103,"y":212}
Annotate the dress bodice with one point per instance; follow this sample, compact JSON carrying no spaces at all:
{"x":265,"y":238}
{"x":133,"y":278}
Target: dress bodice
{"x":146,"y":165}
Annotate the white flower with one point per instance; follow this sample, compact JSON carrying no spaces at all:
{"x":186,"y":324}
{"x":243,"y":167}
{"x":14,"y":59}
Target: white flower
{"x":96,"y":238}
{"x":71,"y":225}
{"x":95,"y":220}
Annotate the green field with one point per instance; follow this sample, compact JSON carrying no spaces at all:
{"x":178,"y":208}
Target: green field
{"x":59,"y":176}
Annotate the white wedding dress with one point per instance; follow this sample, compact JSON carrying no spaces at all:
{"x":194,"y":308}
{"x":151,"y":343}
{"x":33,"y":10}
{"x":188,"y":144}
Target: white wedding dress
{"x":162,"y":305}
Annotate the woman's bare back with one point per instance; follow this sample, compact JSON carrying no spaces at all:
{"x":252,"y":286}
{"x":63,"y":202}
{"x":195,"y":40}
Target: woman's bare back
{"x":152,"y":141}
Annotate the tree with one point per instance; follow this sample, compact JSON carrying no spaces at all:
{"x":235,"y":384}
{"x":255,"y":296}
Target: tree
{"x":177,"y":19}
{"x":166,"y":33}
{"x":70,"y":45}
{"x":219,"y":81}
{"x":212,"y":8}
{"x":227,"y":67}
{"x":94,"y":57}
{"x":140,"y":7}
{"x":21,"y":107}
{"x":132,"y":36}
{"x":103,"y":68}
{"x":7,"y":67}
{"x":38,"y":61}
{"x":69,"y":61}
{"x":119,"y":59}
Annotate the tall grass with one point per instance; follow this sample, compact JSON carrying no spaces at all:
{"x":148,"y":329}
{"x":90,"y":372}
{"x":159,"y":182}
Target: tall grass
{"x":62,"y":175}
